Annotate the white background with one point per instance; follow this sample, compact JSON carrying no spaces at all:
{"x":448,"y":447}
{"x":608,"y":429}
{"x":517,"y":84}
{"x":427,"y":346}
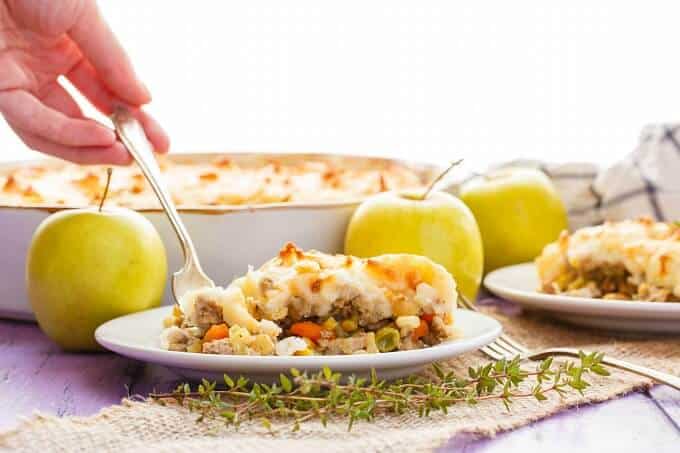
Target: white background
{"x":484,"y":80}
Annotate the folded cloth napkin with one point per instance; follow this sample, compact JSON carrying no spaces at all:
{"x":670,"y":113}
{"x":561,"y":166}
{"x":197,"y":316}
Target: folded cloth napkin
{"x":646,"y":182}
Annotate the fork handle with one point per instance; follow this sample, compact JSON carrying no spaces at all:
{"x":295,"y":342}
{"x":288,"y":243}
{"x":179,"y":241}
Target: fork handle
{"x":658,"y":376}
{"x":133,"y":137}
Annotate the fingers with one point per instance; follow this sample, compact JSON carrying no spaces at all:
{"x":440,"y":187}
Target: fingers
{"x":24,"y":111}
{"x":115,"y":154}
{"x":46,"y":16}
{"x":100,"y":46}
{"x":154,"y":132}
{"x":84,"y":77}
{"x":55,"y":96}
{"x":56,"y":126}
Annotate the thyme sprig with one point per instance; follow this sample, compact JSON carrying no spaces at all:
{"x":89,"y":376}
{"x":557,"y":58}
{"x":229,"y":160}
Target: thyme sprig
{"x":300,"y":397}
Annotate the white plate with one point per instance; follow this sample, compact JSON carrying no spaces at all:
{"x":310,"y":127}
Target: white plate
{"x":137,"y":336}
{"x":519,"y":283}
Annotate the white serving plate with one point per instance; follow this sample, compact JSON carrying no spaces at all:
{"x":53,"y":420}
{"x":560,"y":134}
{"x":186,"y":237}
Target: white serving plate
{"x":137,"y":336}
{"x":227,"y":238}
{"x":519,"y":283}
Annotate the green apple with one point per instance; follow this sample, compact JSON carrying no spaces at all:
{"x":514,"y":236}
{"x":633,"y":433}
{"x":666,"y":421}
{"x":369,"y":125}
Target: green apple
{"x":439,"y":227}
{"x":86,"y":266}
{"x":518,"y":212}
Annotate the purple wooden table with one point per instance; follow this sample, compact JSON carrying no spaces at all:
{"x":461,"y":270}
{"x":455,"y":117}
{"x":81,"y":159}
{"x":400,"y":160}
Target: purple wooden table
{"x":36,"y":375}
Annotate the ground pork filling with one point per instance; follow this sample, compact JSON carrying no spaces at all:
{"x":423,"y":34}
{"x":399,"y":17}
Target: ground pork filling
{"x":611,"y":283}
{"x":343,"y":331}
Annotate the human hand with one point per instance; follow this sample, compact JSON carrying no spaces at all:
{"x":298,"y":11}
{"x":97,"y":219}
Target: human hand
{"x":43,"y":39}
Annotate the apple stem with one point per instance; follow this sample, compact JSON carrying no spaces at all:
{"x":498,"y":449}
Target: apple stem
{"x":106,"y":187}
{"x":436,"y":180}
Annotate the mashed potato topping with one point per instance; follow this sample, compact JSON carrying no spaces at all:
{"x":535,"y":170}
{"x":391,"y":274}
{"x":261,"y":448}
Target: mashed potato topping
{"x":201,"y":183}
{"x":314,"y":303}
{"x":628,"y":260}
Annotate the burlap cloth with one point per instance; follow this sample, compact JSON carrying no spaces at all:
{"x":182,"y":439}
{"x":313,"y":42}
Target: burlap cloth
{"x":140,"y":426}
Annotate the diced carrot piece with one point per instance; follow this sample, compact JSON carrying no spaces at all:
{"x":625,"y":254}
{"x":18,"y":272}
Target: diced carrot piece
{"x":427,"y":317}
{"x":420,"y":331}
{"x":216,"y":332}
{"x":306,"y":329}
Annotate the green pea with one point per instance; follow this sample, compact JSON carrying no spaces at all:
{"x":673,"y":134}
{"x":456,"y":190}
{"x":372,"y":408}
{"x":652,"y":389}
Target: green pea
{"x":387,"y":339}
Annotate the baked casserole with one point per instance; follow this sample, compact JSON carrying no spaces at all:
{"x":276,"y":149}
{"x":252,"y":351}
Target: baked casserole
{"x":309,"y":303}
{"x":223,"y":180}
{"x":627,"y":260}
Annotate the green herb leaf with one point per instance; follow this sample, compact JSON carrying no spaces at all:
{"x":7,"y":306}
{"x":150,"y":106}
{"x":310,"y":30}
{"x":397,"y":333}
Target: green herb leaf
{"x":327,"y":394}
{"x":285,"y":383}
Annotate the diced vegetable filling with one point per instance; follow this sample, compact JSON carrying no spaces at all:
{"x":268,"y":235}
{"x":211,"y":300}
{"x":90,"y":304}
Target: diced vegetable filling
{"x":330,"y":335}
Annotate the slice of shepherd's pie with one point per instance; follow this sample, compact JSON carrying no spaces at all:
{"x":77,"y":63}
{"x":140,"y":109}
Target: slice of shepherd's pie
{"x":628,"y":260}
{"x":303,"y":303}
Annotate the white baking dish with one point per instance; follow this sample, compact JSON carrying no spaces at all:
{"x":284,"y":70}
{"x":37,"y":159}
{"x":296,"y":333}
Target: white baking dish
{"x":228,"y":238}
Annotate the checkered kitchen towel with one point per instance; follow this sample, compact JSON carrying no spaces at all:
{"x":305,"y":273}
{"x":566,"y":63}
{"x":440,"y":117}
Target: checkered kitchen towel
{"x":644,"y":183}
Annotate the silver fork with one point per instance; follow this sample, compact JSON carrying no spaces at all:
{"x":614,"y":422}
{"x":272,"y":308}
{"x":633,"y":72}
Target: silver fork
{"x":504,"y":347}
{"x":191,"y":275}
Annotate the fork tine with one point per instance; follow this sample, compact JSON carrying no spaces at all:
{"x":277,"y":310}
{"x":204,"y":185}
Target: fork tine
{"x":514,"y":344}
{"x":491,"y":353}
{"x":465,"y":302}
{"x":508,"y":347}
{"x":500,"y":350}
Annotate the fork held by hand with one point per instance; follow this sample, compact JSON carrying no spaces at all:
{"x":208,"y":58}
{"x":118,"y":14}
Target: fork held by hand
{"x":504,"y":347}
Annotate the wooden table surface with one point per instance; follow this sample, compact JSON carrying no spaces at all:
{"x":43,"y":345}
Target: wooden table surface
{"x":36,"y":375}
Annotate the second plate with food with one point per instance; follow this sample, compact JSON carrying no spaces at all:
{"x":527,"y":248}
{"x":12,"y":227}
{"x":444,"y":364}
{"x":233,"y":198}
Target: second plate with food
{"x":137,"y":336}
{"x":519,"y":284}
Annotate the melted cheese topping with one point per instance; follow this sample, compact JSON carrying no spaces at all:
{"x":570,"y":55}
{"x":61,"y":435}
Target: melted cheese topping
{"x":217,"y":183}
{"x":649,"y":251}
{"x":299,"y":285}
